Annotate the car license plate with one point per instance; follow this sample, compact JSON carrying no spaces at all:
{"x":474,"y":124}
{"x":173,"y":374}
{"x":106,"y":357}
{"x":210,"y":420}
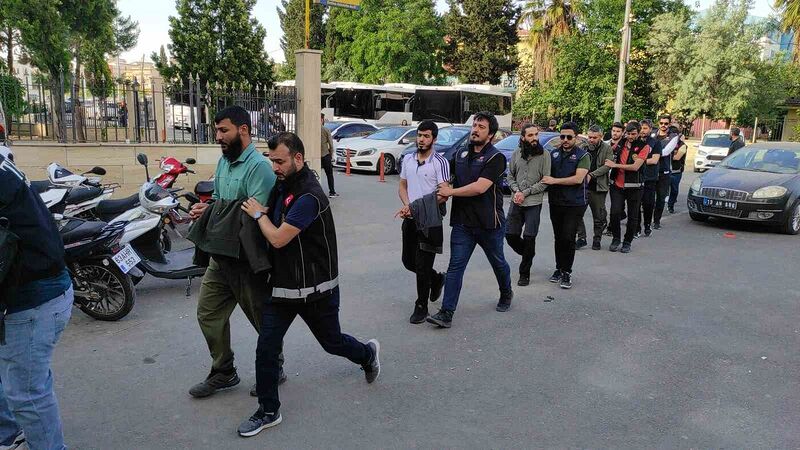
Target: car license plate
{"x":719,"y":203}
{"x":126,"y":259}
{"x":339,"y":160}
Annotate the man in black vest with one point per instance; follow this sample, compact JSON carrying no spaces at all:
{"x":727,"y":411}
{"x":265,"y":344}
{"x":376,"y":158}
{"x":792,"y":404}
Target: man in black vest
{"x":476,"y":216}
{"x":626,"y":186}
{"x":664,"y":137}
{"x":566,"y":194}
{"x":650,"y":175}
{"x":298,"y":223}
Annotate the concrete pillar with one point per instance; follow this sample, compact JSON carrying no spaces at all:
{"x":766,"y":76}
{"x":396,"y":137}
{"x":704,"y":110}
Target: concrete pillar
{"x":158,"y":107}
{"x":309,"y":94}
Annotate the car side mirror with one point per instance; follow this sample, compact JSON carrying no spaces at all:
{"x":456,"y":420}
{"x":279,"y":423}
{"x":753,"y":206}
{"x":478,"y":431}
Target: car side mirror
{"x":337,"y":138}
{"x":404,"y":141}
{"x":142,"y":159}
{"x":190,"y":161}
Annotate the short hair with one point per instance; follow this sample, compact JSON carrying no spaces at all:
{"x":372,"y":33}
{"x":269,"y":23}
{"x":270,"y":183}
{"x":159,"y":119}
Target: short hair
{"x":236,"y":114}
{"x":618,"y":125}
{"x":569,"y":126}
{"x":736,"y":131}
{"x":321,"y":115}
{"x":665,"y":116}
{"x":595,"y":129}
{"x":647,"y":122}
{"x":429,"y":125}
{"x":553,"y":122}
{"x":290,"y":140}
{"x":489,"y":117}
{"x":633,"y":126}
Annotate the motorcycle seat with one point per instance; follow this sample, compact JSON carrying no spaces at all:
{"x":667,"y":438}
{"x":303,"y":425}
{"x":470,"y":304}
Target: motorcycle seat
{"x":204,"y":188}
{"x":40,"y":186}
{"x":108,"y":209}
{"x":81,"y":194}
{"x":76,"y":230}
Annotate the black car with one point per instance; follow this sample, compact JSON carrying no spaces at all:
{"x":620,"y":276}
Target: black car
{"x":758,"y":183}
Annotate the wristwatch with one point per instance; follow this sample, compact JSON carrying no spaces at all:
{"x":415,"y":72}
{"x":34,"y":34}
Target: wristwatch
{"x":257,"y":215}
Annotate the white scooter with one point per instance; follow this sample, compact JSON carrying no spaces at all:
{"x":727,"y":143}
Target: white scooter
{"x":73,"y":195}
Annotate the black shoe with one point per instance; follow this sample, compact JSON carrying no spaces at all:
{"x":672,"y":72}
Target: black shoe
{"x":580,"y":243}
{"x":614,"y":245}
{"x":216,"y":381}
{"x":671,"y":210}
{"x":596,"y":244}
{"x":524,"y":280}
{"x":420,"y":313}
{"x":373,"y":369}
{"x":556,"y":276}
{"x":333,"y":195}
{"x":437,"y":287}
{"x":609,"y":233}
{"x":504,"y":303}
{"x":444,"y":318}
{"x":657,"y":226}
{"x":566,"y":280}
{"x":626,"y":247}
{"x":637,"y":235}
{"x":258,"y":422}
{"x":647,"y":231}
{"x":281,"y":379}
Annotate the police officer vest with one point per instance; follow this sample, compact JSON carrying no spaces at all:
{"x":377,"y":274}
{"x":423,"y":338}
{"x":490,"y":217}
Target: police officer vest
{"x":564,"y":164}
{"x":487,"y":207}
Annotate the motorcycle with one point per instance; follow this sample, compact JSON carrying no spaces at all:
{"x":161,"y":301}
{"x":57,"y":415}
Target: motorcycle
{"x":73,"y":195}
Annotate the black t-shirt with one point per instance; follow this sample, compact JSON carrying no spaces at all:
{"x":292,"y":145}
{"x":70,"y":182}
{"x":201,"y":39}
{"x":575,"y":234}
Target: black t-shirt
{"x":469,"y":210}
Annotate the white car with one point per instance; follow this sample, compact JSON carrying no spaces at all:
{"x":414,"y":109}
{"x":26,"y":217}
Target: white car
{"x":712,"y":149}
{"x":365,"y":152}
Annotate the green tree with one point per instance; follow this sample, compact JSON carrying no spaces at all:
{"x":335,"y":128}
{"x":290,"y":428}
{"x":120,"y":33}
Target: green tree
{"x":334,"y":69}
{"x":292,"y":15}
{"x":789,"y":13}
{"x":126,"y":34}
{"x":548,"y":20}
{"x":481,"y":39}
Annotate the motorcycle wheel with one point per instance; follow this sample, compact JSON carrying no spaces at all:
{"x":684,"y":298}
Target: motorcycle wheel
{"x":115,"y":294}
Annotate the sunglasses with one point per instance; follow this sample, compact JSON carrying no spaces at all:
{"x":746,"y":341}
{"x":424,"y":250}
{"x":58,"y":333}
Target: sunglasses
{"x":567,"y":137}
{"x":663,"y":123}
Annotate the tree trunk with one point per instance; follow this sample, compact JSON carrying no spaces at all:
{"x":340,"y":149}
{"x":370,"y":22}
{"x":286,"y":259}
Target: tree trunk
{"x":57,"y":94}
{"x":77,"y":106}
{"x":10,"y":55}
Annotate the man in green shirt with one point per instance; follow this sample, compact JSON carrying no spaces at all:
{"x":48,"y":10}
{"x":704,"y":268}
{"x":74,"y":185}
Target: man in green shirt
{"x":242,"y":172}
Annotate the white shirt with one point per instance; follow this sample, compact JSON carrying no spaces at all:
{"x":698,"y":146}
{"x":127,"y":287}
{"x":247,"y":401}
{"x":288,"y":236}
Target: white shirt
{"x":423,"y":178}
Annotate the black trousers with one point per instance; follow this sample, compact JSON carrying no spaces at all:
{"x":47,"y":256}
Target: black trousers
{"x":662,"y":192}
{"x":648,"y":204}
{"x":565,"y":221}
{"x":327,"y":166}
{"x":619,"y":199}
{"x":322,"y":318}
{"x":418,"y":257}
{"x":523,"y":242}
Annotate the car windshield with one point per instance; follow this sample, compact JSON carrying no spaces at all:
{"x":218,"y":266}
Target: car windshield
{"x":449,"y":136}
{"x":775,"y":160}
{"x":388,"y":134}
{"x":716,"y":140}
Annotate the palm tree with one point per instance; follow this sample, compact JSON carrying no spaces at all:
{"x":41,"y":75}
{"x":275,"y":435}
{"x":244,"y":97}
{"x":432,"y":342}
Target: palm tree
{"x":790,"y":20}
{"x":548,"y":20}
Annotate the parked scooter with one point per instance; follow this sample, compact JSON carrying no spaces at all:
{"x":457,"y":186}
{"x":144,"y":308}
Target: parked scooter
{"x":73,"y":195}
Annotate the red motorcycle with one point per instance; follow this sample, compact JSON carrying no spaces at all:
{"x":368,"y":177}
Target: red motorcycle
{"x":171,"y":167}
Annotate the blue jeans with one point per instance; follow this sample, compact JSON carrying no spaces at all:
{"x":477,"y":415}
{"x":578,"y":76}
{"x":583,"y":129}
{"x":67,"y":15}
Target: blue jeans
{"x":462,"y":244}
{"x":675,"y":183}
{"x":27,"y":400}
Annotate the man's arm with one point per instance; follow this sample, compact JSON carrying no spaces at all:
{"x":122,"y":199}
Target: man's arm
{"x":493,"y":170}
{"x":604,"y":154}
{"x":638,"y":161}
{"x":303,"y":212}
{"x":331,"y":145}
{"x":540,"y":187}
{"x":260,"y":182}
{"x":511,"y":176}
{"x":680,"y":152}
{"x":402,"y":192}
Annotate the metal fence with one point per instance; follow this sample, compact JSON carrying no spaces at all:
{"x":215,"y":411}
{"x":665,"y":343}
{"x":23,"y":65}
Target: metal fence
{"x":137,"y":112}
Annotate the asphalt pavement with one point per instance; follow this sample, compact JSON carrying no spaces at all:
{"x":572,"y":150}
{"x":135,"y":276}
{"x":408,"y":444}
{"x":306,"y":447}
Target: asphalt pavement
{"x":690,"y":341}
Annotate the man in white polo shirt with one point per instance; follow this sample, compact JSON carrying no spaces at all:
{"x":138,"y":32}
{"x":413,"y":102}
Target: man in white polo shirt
{"x":422,"y":173}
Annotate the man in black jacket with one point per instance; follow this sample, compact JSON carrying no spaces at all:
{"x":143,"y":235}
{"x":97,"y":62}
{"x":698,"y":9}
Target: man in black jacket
{"x":298,"y":223}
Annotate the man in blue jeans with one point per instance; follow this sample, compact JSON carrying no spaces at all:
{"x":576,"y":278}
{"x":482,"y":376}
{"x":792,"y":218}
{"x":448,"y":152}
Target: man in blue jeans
{"x":476,"y":216}
{"x":36,"y":302}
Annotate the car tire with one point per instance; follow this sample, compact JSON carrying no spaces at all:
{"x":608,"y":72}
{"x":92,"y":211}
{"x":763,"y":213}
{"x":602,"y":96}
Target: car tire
{"x":698,"y":217}
{"x":791,"y":224}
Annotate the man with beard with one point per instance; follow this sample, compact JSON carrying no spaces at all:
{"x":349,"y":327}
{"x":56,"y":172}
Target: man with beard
{"x":627,"y":186}
{"x":298,"y":223}
{"x":476,"y":215}
{"x":664,"y":136}
{"x":242,"y":173}
{"x":599,"y":152}
{"x":525,"y":171}
{"x":650,"y":176}
{"x":422,"y":174}
{"x":617,"y":130}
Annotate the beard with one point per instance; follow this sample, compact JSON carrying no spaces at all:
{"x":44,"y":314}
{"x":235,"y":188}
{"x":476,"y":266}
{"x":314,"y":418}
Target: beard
{"x":233,"y":149}
{"x":290,"y":173}
{"x":529,"y":149}
{"x":475,"y":140}
{"x":423,"y":149}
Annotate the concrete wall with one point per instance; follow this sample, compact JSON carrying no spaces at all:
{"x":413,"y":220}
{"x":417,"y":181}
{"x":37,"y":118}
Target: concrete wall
{"x":119,"y":160}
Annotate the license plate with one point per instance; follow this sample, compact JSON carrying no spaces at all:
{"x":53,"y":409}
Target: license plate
{"x":719,"y":203}
{"x":126,"y":259}
{"x":339,"y":160}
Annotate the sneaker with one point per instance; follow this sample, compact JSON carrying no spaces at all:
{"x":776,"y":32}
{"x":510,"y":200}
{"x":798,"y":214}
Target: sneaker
{"x":608,"y":233}
{"x":671,"y":210}
{"x":504,"y":303}
{"x":580,"y":243}
{"x":281,"y":379}
{"x":596,"y":244}
{"x":438,"y":286}
{"x":216,"y":381}
{"x":524,"y":280}
{"x":637,"y":235}
{"x":373,"y":368}
{"x":566,"y":280}
{"x":614,"y":245}
{"x":647,"y":231}
{"x":556,"y":276}
{"x":626,"y":247}
{"x":14,"y":442}
{"x":657,"y":226}
{"x":259,"y":422}
{"x":444,"y":318}
{"x":333,"y":195}
{"x":419,"y":315}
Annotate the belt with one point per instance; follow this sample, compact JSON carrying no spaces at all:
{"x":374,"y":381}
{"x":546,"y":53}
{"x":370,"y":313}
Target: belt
{"x":305,"y":292}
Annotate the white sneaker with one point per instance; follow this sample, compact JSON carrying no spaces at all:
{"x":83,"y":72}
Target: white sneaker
{"x":18,"y":444}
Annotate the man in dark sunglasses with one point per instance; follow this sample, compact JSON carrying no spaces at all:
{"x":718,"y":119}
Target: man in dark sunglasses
{"x":670,"y":169}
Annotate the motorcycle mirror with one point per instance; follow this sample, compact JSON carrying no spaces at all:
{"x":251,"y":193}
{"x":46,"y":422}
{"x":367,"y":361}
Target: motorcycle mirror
{"x":142,"y":159}
{"x":97,"y":170}
{"x":190,"y":160}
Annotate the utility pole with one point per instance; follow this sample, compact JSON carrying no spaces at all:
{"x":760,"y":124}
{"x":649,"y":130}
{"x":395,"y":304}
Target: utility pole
{"x":624,"y":55}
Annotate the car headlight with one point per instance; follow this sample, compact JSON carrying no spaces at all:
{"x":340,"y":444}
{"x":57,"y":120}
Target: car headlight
{"x":770,"y":192}
{"x":702,"y":153}
{"x":370,"y":151}
{"x":696,"y":185}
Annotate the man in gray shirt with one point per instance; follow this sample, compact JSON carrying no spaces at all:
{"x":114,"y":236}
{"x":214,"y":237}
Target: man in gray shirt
{"x":598,"y":187}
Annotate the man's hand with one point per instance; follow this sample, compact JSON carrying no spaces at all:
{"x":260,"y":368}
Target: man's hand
{"x":611,"y":164}
{"x":588,"y":178}
{"x":251,"y":207}
{"x":404,"y":212}
{"x":445,"y":190}
{"x":547,"y":179}
{"x":518,"y":198}
{"x":197,"y":210}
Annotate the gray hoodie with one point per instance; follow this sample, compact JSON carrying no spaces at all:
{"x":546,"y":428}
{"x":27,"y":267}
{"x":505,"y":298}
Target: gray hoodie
{"x":525,"y":175}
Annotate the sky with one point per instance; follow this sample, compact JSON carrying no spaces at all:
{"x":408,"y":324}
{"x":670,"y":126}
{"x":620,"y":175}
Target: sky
{"x":152,"y":16}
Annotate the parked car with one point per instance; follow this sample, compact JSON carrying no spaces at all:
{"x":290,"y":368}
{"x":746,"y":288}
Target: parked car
{"x":365,"y":152}
{"x":759,"y":183}
{"x":341,"y":130}
{"x":450,"y":140}
{"x":712,"y":149}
